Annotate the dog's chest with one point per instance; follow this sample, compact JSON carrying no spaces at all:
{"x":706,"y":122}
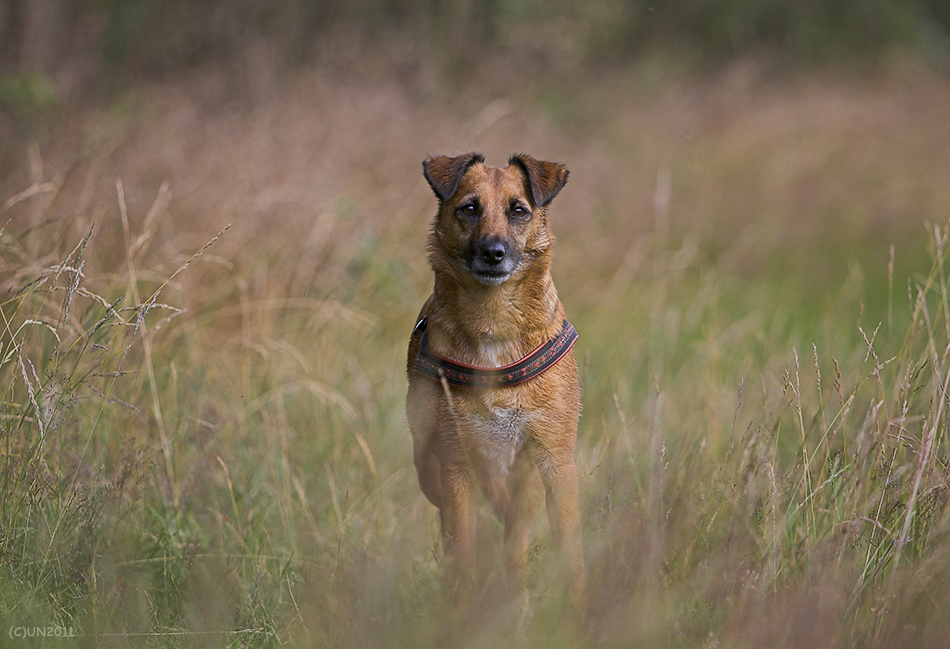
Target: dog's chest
{"x":500,"y":433}
{"x":496,"y":419}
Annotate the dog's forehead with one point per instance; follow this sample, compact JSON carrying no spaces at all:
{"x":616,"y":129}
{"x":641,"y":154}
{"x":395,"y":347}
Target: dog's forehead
{"x":483,"y":180}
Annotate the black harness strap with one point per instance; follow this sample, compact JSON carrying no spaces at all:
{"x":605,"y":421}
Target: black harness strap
{"x":468,"y":376}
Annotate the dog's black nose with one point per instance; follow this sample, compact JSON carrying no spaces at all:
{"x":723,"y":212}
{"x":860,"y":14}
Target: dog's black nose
{"x":492,"y":252}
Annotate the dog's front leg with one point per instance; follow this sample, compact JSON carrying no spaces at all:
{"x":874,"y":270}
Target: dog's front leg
{"x":458,"y":515}
{"x":559,"y":474}
{"x":526,"y":493}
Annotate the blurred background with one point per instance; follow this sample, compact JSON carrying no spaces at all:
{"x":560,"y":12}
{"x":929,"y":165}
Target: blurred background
{"x":774,"y":120}
{"x":212,"y":251}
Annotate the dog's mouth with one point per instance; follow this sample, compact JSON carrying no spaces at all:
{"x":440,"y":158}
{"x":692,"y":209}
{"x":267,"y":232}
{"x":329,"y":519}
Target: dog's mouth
{"x":492,"y":277}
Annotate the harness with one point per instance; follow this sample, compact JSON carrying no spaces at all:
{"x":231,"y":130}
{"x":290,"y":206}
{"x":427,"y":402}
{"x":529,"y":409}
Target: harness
{"x":437,"y":367}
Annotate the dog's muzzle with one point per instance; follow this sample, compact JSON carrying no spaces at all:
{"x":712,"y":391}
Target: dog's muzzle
{"x":492,"y":261}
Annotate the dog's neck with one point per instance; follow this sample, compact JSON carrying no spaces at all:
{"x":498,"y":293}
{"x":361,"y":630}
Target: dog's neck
{"x":494,"y":325}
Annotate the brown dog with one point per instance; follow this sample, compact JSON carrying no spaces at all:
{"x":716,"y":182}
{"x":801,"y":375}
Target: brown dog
{"x":481,"y":415}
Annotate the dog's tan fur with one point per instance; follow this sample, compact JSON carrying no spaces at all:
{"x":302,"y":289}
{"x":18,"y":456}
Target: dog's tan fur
{"x":513,"y":443}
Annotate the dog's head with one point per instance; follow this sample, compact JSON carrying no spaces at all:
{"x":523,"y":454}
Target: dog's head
{"x":492,"y":218}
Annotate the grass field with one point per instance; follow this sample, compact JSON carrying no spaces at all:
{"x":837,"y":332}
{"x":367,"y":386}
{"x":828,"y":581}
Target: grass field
{"x":205,"y":306}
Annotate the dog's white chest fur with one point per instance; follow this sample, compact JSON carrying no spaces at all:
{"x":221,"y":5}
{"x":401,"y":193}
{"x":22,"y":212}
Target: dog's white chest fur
{"x":499,"y":426}
{"x":501,"y":435}
{"x":493,"y":352}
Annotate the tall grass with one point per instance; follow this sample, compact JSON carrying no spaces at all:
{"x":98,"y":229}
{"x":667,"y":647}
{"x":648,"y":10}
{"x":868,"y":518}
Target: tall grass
{"x":195,"y":454}
{"x":777,"y":496}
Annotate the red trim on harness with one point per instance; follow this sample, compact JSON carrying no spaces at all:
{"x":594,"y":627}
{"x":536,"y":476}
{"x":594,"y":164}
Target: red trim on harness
{"x":437,"y":367}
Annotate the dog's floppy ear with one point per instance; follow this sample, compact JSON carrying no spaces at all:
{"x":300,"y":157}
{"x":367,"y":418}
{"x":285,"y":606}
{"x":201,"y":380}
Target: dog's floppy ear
{"x":545,"y":178}
{"x":444,"y":173}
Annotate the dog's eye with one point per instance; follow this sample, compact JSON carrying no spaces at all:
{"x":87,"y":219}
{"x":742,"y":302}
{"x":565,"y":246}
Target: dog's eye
{"x":469,"y":209}
{"x":519,"y":212}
